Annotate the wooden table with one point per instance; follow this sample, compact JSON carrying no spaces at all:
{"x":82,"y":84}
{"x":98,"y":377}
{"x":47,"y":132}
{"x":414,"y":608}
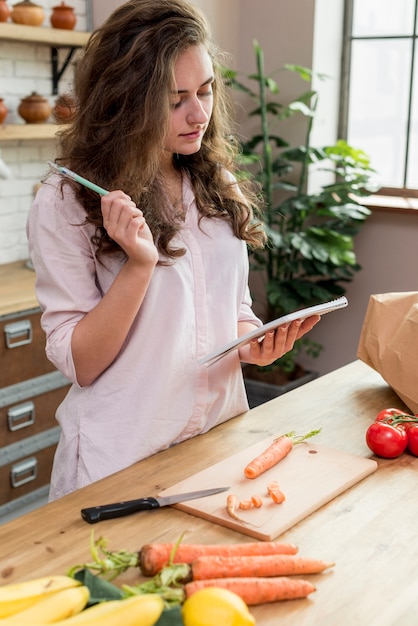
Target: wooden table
{"x":369,"y":531}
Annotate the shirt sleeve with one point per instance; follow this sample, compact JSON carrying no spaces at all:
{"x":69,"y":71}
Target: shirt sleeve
{"x":63,"y":258}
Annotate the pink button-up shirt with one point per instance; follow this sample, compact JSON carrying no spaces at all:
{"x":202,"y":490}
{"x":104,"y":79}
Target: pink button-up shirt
{"x":154,"y":394}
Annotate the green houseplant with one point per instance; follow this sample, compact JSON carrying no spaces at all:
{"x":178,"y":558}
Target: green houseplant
{"x":309,"y":258}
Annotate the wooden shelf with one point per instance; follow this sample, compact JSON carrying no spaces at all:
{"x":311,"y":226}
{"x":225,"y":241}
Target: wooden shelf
{"x":56,"y":37}
{"x":17,"y":132}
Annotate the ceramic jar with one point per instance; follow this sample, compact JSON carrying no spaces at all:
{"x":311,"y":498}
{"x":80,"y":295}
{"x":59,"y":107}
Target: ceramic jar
{"x":3,"y":111}
{"x":34,"y":109}
{"x":28,"y":13}
{"x":63,"y":16}
{"x":4,"y":11}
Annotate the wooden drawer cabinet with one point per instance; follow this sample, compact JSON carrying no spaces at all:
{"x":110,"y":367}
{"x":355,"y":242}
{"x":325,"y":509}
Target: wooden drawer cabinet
{"x":31,"y":390}
{"x":26,"y":474}
{"x":22,"y":347}
{"x":28,"y":408}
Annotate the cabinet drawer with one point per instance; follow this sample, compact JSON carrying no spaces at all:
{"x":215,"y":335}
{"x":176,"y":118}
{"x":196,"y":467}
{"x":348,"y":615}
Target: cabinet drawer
{"x":26,"y":474}
{"x":22,"y":348}
{"x":29,"y":416}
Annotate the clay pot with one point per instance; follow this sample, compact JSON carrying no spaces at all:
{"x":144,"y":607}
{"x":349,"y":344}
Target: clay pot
{"x":4,"y":11}
{"x":64,"y":109}
{"x":63,"y":16}
{"x":3,"y":111}
{"x":28,"y":13}
{"x":34,"y":109}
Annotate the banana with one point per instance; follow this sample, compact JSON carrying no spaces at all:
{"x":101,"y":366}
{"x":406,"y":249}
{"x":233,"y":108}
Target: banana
{"x":142,"y":610}
{"x":16,"y":597}
{"x":52,"y":607}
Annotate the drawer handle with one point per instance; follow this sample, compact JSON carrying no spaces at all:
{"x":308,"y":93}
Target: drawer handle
{"x":18,"y":333}
{"x":23,"y":472}
{"x":21,"y":416}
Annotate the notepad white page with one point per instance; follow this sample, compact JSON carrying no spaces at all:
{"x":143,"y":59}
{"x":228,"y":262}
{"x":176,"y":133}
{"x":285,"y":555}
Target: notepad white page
{"x":316,"y":309}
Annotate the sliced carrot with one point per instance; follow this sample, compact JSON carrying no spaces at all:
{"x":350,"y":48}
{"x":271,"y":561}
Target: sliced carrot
{"x":272,"y":486}
{"x":245,"y":504}
{"x":231,"y":505}
{"x":277,"y":496}
{"x":257,"y":501}
{"x":154,"y":556}
{"x":206,"y":567}
{"x":258,"y":590}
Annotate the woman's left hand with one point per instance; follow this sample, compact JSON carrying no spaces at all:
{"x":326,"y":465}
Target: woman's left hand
{"x":277,"y":342}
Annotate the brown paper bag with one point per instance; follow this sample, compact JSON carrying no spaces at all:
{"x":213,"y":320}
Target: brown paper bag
{"x":389,"y":342}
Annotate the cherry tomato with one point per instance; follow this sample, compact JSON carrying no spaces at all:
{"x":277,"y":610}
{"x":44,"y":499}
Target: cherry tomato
{"x":385,"y":440}
{"x":412,"y":435}
{"x":387,"y":414}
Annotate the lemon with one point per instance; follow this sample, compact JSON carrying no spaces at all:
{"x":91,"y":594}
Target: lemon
{"x":214,"y":606}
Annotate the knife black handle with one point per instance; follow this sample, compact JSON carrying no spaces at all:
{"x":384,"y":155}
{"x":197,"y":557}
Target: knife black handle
{"x":118,"y":509}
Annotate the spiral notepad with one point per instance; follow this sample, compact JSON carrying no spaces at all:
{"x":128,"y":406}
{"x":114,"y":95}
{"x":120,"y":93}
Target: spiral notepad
{"x":317,"y":309}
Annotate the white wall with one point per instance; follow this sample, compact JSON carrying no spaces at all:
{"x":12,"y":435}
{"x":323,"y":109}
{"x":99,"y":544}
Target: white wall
{"x":220,"y":13}
{"x":101,"y":9}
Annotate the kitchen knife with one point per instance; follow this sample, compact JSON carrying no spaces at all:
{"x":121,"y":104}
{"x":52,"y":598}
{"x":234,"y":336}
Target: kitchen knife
{"x":119,"y":509}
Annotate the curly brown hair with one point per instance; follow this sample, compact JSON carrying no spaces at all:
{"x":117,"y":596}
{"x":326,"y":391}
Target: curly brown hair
{"x":122,"y":89}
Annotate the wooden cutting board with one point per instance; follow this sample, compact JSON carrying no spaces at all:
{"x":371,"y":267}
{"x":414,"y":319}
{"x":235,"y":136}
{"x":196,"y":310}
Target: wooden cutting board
{"x":310,"y":476}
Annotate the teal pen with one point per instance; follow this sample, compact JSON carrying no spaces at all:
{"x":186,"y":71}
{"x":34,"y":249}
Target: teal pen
{"x":79,"y":179}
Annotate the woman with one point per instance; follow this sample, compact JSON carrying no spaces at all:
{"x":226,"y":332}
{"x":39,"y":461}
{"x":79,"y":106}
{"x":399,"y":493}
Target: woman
{"x":137,"y":285}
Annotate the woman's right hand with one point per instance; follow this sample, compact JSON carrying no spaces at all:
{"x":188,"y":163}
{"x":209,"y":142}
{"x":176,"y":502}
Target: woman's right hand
{"x":126,"y":225}
{"x":94,"y":348}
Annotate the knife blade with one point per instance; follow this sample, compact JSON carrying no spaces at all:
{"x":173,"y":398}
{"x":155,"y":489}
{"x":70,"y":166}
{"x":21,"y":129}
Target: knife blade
{"x":119,"y":509}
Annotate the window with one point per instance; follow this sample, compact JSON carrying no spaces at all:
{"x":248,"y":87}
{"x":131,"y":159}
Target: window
{"x":379,"y":98}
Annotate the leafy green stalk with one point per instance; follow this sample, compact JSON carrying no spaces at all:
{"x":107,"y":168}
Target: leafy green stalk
{"x":168,"y":583}
{"x":300,"y":438}
{"x":105,"y":563}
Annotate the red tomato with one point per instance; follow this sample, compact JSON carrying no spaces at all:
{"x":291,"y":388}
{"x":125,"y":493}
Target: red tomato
{"x":387,"y":414}
{"x":385,"y":440}
{"x":412,"y":435}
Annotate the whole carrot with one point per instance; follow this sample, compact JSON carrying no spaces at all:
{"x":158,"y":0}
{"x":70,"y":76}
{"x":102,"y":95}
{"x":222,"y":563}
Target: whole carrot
{"x":206,"y":567}
{"x":257,"y":590}
{"x":274,"y":453}
{"x":154,"y":556}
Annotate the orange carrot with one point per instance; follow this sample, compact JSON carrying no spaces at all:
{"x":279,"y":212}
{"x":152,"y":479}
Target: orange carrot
{"x":206,"y":567}
{"x":272,"y":486}
{"x":274,"y":453}
{"x":245,"y":504}
{"x":257,"y":501}
{"x":154,"y":556}
{"x":267,"y":459}
{"x":277,"y":496}
{"x":231,"y":505}
{"x":275,"y":492}
{"x":258,"y":590}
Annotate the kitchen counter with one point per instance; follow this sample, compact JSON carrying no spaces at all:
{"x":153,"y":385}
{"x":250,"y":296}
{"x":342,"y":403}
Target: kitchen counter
{"x":369,"y":530}
{"x":17,"y":288}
